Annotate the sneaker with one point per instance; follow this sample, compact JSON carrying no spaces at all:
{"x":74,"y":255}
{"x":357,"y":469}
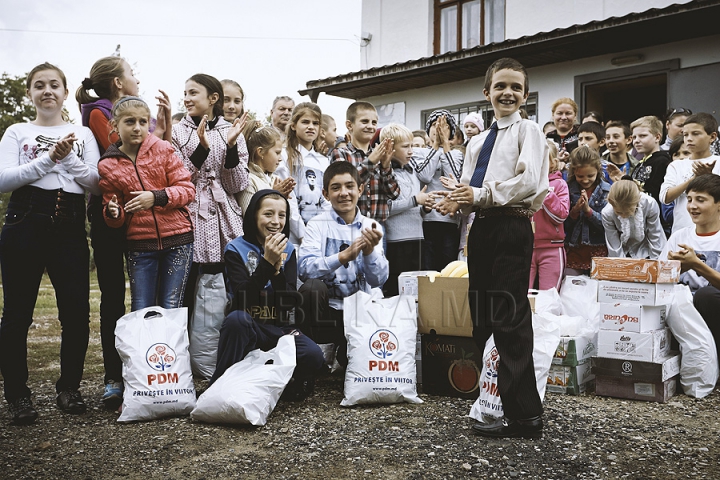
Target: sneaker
{"x":113,"y":396}
{"x":70,"y":401}
{"x":23,"y":412}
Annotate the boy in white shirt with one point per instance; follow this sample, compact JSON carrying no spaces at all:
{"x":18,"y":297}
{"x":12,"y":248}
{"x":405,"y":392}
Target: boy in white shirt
{"x":504,"y":181}
{"x":699,"y":132}
{"x":341,"y":254}
{"x":698,"y":249}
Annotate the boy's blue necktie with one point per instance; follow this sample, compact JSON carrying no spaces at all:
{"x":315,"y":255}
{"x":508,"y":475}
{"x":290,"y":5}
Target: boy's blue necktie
{"x":484,"y":157}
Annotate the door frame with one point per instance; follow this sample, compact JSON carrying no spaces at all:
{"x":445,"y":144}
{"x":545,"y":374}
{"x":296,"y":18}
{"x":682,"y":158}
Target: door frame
{"x":628,"y":73}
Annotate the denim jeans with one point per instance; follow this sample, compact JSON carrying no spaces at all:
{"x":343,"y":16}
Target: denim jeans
{"x":159,"y":278}
{"x":44,"y":230}
{"x":109,"y":254}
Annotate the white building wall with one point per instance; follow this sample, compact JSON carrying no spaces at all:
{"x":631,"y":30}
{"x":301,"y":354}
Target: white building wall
{"x":401,"y":30}
{"x":528,"y":17}
{"x":551,"y":81}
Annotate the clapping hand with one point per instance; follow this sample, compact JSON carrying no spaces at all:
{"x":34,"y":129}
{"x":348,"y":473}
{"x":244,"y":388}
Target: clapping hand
{"x":62,"y":148}
{"x":141,"y":201}
{"x":275,"y":244}
{"x":285,"y":187}
{"x":113,"y":207}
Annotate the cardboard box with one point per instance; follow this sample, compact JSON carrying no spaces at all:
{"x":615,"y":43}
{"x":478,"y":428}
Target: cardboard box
{"x":629,"y":317}
{"x":408,"y":282}
{"x":570,"y":380}
{"x":451,"y":366}
{"x":661,"y":371}
{"x":443,"y":307}
{"x":644,"y":347}
{"x":572,"y":351}
{"x":636,"y":293}
{"x":635,"y":390}
{"x":635,"y":270}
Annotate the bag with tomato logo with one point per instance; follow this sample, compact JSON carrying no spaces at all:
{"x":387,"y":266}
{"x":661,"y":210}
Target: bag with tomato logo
{"x":546,"y":336}
{"x":153,"y":346}
{"x":381,"y":337}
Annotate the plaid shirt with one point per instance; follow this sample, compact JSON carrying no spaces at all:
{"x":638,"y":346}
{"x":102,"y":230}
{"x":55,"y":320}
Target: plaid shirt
{"x":380,"y":183}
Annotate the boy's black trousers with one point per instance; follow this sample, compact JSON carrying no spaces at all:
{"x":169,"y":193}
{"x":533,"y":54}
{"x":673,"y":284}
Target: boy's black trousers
{"x":499,"y":253}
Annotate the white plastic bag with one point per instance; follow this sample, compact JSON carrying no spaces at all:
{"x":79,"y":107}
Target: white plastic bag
{"x":249,"y":390}
{"x":205,"y":323}
{"x":579,"y":299}
{"x":699,"y":363}
{"x":546,"y":336}
{"x":381,"y":336}
{"x":547,"y":301}
{"x":153,"y":346}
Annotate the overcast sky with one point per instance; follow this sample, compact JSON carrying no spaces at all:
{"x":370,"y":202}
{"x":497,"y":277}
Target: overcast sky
{"x":270,"y":47}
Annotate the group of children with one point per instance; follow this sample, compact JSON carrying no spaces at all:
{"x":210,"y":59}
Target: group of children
{"x":296,"y":222}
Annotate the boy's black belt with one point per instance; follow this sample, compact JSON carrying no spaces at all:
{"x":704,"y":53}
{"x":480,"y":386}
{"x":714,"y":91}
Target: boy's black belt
{"x":504,"y":212}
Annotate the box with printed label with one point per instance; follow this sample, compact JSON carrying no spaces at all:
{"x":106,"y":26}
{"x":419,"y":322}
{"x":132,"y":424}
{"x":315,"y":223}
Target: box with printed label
{"x":443,"y":306}
{"x":408,"y":282}
{"x":570,"y":380}
{"x":645,"y":347}
{"x":451,"y":366}
{"x":635,"y":270}
{"x":664,"y":369}
{"x":572,"y":351}
{"x":636,"y":293}
{"x":631,"y":389}
{"x":629,"y":317}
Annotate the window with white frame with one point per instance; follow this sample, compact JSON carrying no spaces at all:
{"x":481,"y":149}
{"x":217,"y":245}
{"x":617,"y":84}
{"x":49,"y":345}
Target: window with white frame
{"x":484,"y":108}
{"x":463,"y":24}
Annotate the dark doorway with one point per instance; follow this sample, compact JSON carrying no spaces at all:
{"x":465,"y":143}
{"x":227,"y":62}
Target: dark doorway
{"x":628,"y":99}
{"x":627,"y":93}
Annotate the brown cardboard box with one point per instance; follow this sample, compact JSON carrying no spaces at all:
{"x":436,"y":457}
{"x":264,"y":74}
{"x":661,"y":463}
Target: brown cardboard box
{"x":451,"y":366}
{"x":651,"y":372}
{"x":635,"y":390}
{"x":635,"y":270}
{"x":443,"y":306}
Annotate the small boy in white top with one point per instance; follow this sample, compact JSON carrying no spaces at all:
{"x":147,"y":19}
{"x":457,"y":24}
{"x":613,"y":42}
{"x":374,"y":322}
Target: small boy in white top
{"x":698,"y":249}
{"x":404,"y":226}
{"x":699,"y":132}
{"x":504,"y":180}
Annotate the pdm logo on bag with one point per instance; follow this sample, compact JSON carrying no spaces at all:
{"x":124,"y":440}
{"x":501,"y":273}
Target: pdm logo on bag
{"x":161,"y":357}
{"x":383,"y":344}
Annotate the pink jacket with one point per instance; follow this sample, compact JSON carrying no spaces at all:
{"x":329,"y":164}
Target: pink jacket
{"x":156,"y":169}
{"x":549,"y":231}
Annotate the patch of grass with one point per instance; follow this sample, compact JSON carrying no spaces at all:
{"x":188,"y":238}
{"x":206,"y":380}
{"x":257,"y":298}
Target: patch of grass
{"x":44,"y":334}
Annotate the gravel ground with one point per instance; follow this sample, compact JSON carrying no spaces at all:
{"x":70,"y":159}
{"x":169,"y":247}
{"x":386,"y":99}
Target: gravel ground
{"x":585,"y":437}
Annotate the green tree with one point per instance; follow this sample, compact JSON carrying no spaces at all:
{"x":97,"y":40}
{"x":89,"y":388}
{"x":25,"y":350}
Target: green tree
{"x":15,"y":107}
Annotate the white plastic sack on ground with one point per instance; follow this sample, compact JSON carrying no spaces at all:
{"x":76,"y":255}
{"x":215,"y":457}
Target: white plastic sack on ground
{"x":249,"y":390}
{"x":153,"y":346}
{"x":546,"y":336}
{"x":699,"y":362}
{"x":205,"y":323}
{"x":579,"y":299}
{"x":381,"y":336}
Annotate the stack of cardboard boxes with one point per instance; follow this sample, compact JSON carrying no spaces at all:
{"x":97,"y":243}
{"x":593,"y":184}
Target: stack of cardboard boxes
{"x":634,"y":360}
{"x":570,"y":371}
{"x":451,"y":362}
